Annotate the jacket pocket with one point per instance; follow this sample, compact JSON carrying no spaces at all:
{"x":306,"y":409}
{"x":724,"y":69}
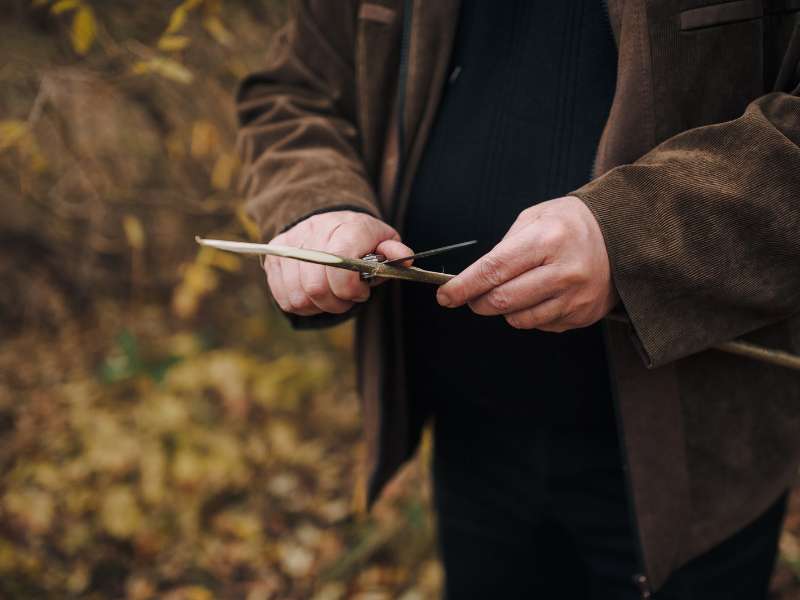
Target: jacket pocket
{"x":377,"y":13}
{"x":721,"y":14}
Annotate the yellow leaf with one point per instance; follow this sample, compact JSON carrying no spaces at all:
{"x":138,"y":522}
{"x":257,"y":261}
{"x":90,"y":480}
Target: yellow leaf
{"x":223,"y":171}
{"x":84,"y":30}
{"x":36,"y":159}
{"x":187,"y":468}
{"x":200,"y":279}
{"x":134,"y":232}
{"x":172,"y":70}
{"x":226,"y":262}
{"x":64,"y":5}
{"x":165,"y":67}
{"x":184,"y":302}
{"x":204,"y":138}
{"x":33,"y":507}
{"x":218,"y":31}
{"x":12,"y":132}
{"x":141,"y":68}
{"x":173,"y":43}
{"x":177,"y":19}
{"x":193,"y":592}
{"x":120,"y":513}
{"x":249,"y":225}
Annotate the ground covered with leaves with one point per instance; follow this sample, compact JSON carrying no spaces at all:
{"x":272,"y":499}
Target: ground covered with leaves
{"x":163,"y":434}
{"x":141,"y":460}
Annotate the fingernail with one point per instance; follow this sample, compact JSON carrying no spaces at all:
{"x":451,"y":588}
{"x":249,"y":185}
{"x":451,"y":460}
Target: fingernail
{"x":443,"y":299}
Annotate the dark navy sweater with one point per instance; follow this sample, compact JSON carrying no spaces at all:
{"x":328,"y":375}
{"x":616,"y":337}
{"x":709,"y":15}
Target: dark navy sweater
{"x":531,"y":86}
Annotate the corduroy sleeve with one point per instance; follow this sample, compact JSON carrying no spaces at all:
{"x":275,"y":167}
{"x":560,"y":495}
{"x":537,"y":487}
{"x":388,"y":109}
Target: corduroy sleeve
{"x":703,"y":232}
{"x":297,"y":136}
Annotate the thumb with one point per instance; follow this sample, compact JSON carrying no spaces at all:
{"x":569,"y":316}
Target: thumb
{"x":394,"y":249}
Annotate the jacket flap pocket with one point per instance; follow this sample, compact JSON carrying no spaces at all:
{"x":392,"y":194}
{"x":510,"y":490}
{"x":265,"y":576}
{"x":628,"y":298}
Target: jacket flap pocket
{"x":376,"y":12}
{"x":719,"y":14}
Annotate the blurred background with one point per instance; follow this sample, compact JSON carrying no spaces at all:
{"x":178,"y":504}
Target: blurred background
{"x":163,"y":433}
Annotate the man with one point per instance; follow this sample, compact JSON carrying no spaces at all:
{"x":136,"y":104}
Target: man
{"x":444,"y":121}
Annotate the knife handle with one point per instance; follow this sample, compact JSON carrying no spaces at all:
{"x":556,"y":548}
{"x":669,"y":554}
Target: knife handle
{"x":371,"y":257}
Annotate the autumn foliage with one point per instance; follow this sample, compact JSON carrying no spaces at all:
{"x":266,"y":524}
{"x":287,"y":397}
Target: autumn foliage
{"x":163,"y":434}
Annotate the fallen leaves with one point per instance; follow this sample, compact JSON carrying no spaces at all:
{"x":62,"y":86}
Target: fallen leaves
{"x":180,"y":458}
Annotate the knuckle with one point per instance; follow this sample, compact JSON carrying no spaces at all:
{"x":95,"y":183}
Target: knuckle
{"x":572,"y":277}
{"x":557,"y":315}
{"x":555,"y":233}
{"x":582,"y":272}
{"x":491,"y":270}
{"x":499,"y":300}
{"x":517,"y":321}
{"x":283,"y":304}
{"x":346,"y":286}
{"x":355,"y":289}
{"x":317,"y":289}
{"x":298,"y":301}
{"x":579,"y":304}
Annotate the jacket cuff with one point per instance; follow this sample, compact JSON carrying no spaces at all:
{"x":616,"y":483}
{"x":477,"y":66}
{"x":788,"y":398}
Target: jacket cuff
{"x":320,"y":321}
{"x":628,"y":240}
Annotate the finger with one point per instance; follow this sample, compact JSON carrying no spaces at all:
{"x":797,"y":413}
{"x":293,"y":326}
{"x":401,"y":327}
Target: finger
{"x":354,"y":240}
{"x":347,"y":285}
{"x":510,"y":258}
{"x":299,"y":302}
{"x":394,"y":249}
{"x":524,"y":291}
{"x":381,"y":232}
{"x":272,"y":267}
{"x":314,"y":281}
{"x":546,"y":313}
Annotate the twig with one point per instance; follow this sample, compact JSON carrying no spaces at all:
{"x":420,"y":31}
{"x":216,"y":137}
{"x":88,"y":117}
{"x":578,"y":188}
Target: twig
{"x":779,"y":358}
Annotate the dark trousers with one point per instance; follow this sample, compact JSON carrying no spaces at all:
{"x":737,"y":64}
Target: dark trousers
{"x":536,"y":513}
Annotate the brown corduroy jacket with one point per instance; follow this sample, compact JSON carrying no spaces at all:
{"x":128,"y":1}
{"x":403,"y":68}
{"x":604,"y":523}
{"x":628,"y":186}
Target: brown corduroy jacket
{"x":697,"y":192}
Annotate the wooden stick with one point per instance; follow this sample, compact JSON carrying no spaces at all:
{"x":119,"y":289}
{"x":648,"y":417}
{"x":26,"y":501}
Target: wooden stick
{"x":779,"y":358}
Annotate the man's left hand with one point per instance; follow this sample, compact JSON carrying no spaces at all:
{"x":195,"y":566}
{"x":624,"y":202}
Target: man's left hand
{"x":549,"y":272}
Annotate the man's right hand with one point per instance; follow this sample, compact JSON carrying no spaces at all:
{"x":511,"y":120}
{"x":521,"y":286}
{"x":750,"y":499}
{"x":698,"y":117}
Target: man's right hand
{"x":307,"y":289}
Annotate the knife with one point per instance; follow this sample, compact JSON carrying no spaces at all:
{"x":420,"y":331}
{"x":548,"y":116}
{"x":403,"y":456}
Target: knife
{"x":370,"y":266}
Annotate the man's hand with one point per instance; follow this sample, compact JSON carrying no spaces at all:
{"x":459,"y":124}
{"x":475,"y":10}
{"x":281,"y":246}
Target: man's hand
{"x":308,"y":289}
{"x":549,"y":272}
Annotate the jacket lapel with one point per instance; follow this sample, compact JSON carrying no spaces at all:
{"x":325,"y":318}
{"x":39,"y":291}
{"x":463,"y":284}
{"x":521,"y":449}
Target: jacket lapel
{"x":630,"y":129}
